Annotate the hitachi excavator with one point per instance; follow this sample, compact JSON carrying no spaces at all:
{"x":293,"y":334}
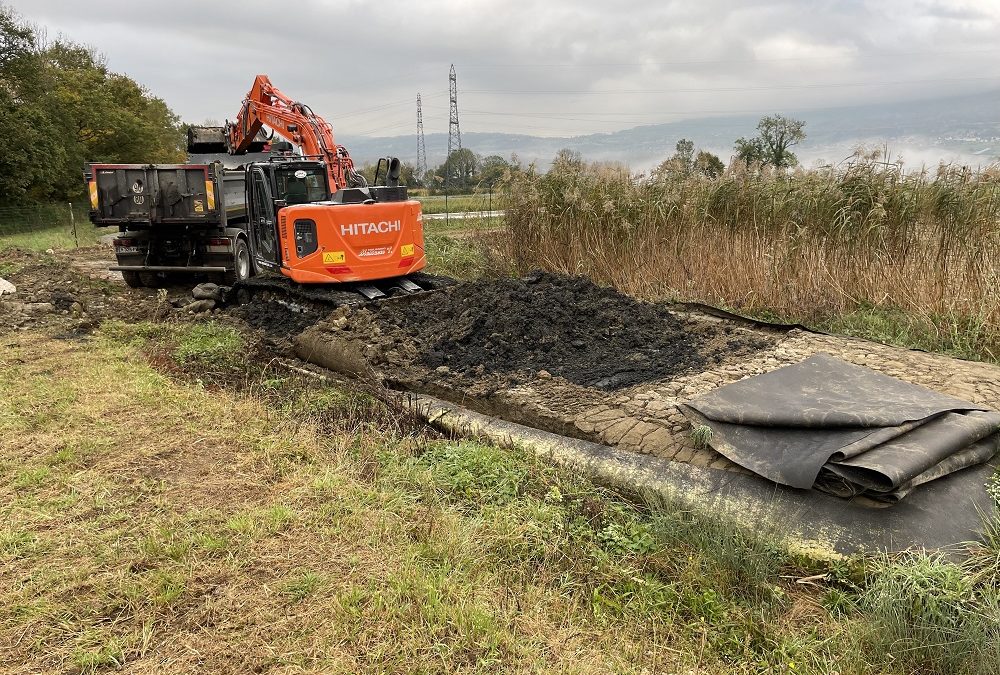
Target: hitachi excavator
{"x":310,"y":215}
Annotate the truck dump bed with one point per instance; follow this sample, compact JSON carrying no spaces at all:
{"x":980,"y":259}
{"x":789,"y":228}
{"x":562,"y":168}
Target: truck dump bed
{"x":151,"y":194}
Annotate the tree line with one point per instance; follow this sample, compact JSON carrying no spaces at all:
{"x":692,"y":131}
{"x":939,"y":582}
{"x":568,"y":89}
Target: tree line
{"x":771,"y":146}
{"x":60,"y":107}
{"x":464,"y":170}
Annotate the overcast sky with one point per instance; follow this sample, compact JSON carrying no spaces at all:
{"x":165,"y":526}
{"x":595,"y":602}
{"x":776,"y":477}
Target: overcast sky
{"x":551,"y":68}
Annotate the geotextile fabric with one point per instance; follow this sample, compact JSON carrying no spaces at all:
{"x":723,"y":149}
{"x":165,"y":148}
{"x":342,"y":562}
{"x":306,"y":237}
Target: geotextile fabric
{"x":845,"y":429}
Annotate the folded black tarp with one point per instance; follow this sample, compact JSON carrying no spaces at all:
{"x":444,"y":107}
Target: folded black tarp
{"x":845,"y":429}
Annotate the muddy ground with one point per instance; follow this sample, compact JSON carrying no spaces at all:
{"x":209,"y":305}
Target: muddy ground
{"x":555,"y":353}
{"x":551,"y":325}
{"x":74,"y":292}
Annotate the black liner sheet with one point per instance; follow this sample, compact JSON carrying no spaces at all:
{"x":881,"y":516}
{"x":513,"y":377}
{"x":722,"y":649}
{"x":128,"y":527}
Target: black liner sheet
{"x":845,"y":429}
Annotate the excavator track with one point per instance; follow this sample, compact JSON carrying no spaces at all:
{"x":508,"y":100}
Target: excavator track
{"x":324,"y":298}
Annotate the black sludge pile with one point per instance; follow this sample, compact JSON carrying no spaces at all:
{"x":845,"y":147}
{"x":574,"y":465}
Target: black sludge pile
{"x":567,"y":326}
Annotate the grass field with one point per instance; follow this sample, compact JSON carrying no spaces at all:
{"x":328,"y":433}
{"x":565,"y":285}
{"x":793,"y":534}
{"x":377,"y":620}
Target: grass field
{"x":457,"y":203}
{"x":37,"y":227}
{"x":58,"y":237}
{"x":168,"y":507}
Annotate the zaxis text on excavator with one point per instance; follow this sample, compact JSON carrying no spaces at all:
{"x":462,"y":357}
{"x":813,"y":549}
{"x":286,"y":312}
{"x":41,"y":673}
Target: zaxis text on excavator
{"x":302,"y":210}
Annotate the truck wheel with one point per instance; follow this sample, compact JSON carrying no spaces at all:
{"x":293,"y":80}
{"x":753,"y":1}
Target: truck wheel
{"x":151,"y":279}
{"x":132,"y":279}
{"x":241,"y":264}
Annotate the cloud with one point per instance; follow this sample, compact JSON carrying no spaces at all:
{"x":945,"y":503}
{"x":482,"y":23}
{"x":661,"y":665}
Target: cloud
{"x":556,"y":68}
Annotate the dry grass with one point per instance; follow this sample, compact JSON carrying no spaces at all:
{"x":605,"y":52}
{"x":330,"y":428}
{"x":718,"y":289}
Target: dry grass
{"x":154,"y":525}
{"x":168,"y":523}
{"x":815,"y":246}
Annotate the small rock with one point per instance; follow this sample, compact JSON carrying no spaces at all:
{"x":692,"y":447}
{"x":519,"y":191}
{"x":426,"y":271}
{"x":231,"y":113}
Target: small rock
{"x":76,"y":309}
{"x":209,"y":291}
{"x":442,"y":370}
{"x":199,"y":306}
{"x":339,"y":323}
{"x":7,"y":288}
{"x":38,"y":307}
{"x":579,"y":344}
{"x":544,"y":375}
{"x":50,"y":251}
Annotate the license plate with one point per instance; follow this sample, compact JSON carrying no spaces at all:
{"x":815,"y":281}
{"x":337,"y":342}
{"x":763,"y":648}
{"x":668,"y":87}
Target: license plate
{"x":128,"y":249}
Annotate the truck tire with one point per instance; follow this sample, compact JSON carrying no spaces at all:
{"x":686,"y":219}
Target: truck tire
{"x":151,"y":279}
{"x":132,"y":279}
{"x":241,"y":264}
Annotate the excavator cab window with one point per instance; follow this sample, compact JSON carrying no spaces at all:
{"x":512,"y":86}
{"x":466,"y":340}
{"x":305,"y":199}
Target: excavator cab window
{"x":301,"y":185}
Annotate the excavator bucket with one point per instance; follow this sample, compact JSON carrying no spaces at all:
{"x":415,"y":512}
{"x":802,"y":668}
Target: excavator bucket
{"x":203,"y":140}
{"x":206,"y":140}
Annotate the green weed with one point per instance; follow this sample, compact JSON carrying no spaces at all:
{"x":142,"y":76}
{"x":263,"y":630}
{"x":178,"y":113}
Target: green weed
{"x":302,"y":586}
{"x":208,"y":343}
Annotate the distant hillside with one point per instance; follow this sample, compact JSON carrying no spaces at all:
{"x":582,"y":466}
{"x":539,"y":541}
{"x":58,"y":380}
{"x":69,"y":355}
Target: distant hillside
{"x":965,"y":129}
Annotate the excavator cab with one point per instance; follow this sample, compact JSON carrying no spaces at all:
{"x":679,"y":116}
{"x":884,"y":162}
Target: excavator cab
{"x":271,"y":186}
{"x":301,"y":184}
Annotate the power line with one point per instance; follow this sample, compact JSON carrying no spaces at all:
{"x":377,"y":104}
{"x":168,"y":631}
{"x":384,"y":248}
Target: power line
{"x":831,"y":85}
{"x":749,"y":59}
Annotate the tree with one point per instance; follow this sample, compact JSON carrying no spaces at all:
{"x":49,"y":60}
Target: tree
{"x":492,"y":169}
{"x":684,"y":155}
{"x":408,"y":176}
{"x":709,"y":164}
{"x":775,"y":135}
{"x":459,"y":170}
{"x":61,"y":107}
{"x":567,"y":161}
{"x":683,"y":162}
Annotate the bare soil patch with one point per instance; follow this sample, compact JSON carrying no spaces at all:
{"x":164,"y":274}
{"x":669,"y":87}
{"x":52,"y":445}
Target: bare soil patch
{"x":546,"y":325}
{"x":66,"y":290}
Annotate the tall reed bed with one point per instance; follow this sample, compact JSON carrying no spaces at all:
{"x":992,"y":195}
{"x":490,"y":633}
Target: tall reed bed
{"x":812,"y":245}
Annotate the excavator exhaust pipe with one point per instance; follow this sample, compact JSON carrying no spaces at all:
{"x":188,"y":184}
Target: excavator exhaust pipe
{"x":392,"y":175}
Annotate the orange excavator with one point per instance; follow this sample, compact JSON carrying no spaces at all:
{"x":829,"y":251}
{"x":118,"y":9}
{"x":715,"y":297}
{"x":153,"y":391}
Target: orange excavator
{"x":310,"y":214}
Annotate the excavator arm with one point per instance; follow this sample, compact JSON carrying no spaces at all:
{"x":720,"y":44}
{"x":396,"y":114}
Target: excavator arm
{"x":266,"y":105}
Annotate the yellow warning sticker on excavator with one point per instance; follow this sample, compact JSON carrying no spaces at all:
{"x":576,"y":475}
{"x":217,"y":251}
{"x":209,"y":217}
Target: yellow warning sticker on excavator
{"x":332,"y":257}
{"x":406,"y":250}
{"x":199,"y":206}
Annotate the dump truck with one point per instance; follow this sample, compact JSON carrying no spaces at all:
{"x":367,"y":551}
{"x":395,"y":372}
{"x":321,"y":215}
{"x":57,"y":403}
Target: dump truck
{"x":173,"y":219}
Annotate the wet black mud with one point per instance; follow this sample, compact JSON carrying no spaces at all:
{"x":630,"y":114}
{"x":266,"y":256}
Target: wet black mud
{"x":567,"y":327}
